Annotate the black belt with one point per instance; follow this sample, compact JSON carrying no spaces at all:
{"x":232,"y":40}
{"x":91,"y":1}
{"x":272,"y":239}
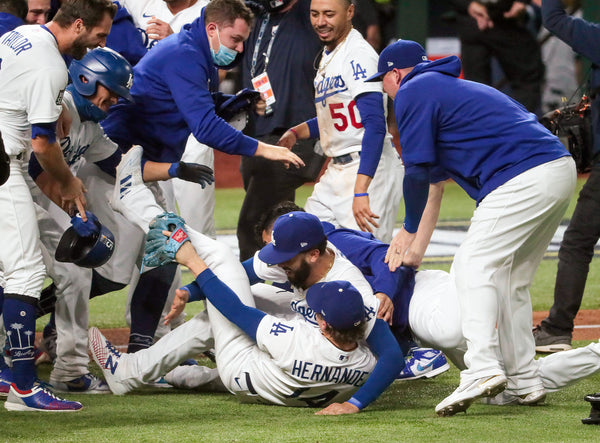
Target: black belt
{"x":346,"y":158}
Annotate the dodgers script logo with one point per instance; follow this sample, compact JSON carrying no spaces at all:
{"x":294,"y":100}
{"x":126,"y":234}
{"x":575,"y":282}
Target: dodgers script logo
{"x":327,"y":87}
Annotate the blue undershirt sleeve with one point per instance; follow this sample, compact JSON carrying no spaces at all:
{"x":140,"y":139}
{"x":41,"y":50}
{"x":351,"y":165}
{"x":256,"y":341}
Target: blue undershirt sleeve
{"x":249,"y":268}
{"x":34,"y":168}
{"x":194,"y":291}
{"x":370,"y":107}
{"x":390,"y":362}
{"x":416,"y":191}
{"x":224,"y":299}
{"x":313,"y":127}
{"x":109,"y":164}
{"x":44,"y":130}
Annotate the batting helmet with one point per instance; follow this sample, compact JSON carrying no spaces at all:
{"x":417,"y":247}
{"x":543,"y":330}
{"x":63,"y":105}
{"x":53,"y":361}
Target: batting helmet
{"x":104,"y":66}
{"x":87,"y":252}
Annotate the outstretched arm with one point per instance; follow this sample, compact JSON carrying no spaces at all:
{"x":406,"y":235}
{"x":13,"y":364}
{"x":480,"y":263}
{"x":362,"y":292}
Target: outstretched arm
{"x":218,"y":293}
{"x":390,"y":362}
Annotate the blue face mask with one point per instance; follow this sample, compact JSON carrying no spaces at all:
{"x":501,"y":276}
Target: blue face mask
{"x":224,"y":56}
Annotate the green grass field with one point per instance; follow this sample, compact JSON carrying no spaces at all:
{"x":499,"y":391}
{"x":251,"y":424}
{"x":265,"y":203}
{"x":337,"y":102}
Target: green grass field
{"x":405,"y":412}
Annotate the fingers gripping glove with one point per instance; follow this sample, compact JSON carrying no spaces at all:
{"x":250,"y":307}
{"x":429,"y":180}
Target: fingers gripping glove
{"x":161,"y":250}
{"x":87,"y":228}
{"x":192,"y":172}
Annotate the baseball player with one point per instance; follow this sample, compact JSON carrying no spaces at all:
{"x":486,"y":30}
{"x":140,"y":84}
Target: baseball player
{"x":522,"y":179}
{"x":34,"y":77}
{"x":276,"y":370}
{"x":362,"y":186}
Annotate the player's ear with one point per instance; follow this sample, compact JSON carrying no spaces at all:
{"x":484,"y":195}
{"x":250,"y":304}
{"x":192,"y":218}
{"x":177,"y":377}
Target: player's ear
{"x":78,"y":26}
{"x":350,"y":11}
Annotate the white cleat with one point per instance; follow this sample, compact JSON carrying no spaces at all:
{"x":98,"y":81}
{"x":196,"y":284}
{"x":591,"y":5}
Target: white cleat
{"x":110,"y":361}
{"x":465,"y":395}
{"x":128,"y":179}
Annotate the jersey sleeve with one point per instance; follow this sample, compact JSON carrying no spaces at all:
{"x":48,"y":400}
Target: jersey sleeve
{"x":268,"y":273}
{"x":44,"y":91}
{"x":276,"y":336}
{"x":101,"y":147}
{"x":359,"y":65}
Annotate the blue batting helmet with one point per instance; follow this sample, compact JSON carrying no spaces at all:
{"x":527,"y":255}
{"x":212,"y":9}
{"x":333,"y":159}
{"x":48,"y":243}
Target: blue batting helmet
{"x":104,"y":66}
{"x":87,"y":252}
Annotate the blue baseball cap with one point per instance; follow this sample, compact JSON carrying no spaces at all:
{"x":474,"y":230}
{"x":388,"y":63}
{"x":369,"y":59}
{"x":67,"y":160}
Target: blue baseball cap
{"x":293,"y":233}
{"x":340,"y":303}
{"x":399,"y":55}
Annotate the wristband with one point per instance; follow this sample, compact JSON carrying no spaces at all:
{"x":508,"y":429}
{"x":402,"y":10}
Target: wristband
{"x":362,"y":194}
{"x":173,"y":169}
{"x":293,"y":131}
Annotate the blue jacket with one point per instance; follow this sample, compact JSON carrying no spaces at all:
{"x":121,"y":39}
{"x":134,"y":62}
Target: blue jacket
{"x":125,"y":38}
{"x":8,"y":22}
{"x":172,"y":87}
{"x":480,"y":137}
{"x":584,"y":38}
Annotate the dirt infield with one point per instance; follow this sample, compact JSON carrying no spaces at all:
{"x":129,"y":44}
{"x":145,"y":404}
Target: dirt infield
{"x":587,"y":327}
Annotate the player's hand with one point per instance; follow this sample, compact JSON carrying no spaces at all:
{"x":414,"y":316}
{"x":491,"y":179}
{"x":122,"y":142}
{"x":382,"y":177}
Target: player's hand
{"x":386,"y":307}
{"x":261,"y":105}
{"x":181,"y":298}
{"x":278,"y":153}
{"x":72,"y":197}
{"x":480,"y":14}
{"x":338,"y":409}
{"x":516,"y":10}
{"x":365,"y":218}
{"x":157,"y":29}
{"x":398,"y":248}
{"x":287,"y":140}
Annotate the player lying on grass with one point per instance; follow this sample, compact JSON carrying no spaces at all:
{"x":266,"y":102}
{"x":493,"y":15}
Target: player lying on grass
{"x":273,"y":360}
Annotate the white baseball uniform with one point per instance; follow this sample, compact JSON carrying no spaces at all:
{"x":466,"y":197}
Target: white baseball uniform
{"x":33,"y":76}
{"x":86,"y":143}
{"x":339,"y":80}
{"x":290,"y":364}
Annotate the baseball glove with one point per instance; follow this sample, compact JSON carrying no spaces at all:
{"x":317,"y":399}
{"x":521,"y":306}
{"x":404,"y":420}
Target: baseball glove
{"x":160,"y":250}
{"x":167,"y":221}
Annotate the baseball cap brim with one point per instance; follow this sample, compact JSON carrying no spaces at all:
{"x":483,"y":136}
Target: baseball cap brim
{"x":271,"y":257}
{"x":377,"y":77}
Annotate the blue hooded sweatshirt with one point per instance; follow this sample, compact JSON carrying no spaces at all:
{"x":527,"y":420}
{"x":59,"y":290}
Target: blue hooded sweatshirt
{"x":172,"y":87}
{"x":477,"y":135}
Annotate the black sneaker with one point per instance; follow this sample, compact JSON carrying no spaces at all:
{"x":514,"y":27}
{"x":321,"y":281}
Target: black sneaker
{"x":548,"y":343}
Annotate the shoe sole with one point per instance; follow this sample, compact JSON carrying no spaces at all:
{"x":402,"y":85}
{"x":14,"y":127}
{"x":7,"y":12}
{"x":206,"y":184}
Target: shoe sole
{"x":23,"y":408}
{"x":463,"y":405}
{"x":549,"y":349}
{"x":430,"y":374}
{"x":62,"y":390}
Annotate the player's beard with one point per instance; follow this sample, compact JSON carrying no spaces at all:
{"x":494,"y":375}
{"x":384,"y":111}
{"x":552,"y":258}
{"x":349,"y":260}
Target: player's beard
{"x":299,"y":277}
{"x":80,"y":47}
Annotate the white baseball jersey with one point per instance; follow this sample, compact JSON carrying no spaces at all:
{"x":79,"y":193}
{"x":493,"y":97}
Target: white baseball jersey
{"x":342,"y":269}
{"x":83,"y":136}
{"x":143,"y":10}
{"x":294,"y":365}
{"x":33,"y":76}
{"x":339,"y":80}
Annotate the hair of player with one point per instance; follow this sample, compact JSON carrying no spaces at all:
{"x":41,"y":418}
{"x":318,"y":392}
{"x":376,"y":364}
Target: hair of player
{"x":18,"y":8}
{"x":91,"y":12}
{"x":267,"y":219}
{"x":225,"y":12}
{"x":346,"y":336}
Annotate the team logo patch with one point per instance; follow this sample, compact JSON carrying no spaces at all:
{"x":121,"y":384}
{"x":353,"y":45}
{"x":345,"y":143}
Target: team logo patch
{"x":179,"y":235}
{"x":59,"y":99}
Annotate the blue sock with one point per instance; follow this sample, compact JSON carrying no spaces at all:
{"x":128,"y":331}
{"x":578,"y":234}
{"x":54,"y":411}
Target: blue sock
{"x":19,"y":322}
{"x":147,"y":303}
